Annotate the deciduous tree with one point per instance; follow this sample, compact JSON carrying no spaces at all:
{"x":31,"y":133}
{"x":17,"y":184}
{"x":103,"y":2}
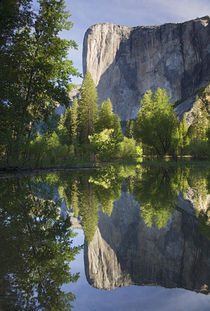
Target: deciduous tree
{"x":156,"y":122}
{"x":35,"y":72}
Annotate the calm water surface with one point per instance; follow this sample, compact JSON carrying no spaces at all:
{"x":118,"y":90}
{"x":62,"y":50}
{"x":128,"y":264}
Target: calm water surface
{"x":119,"y":238}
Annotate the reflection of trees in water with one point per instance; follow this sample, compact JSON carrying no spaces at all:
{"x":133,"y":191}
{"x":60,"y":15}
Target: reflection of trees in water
{"x":35,"y":248}
{"x":84,"y":192}
{"x":156,"y":189}
{"x":200,"y":185}
{"x":36,"y":243}
{"x":80,"y":197}
{"x":198,"y":182}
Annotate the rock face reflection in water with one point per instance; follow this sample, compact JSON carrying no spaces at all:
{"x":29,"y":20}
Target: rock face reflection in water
{"x":144,"y":225}
{"x":125,"y":251}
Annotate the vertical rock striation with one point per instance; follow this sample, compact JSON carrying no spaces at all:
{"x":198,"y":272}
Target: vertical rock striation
{"x":125,"y":62}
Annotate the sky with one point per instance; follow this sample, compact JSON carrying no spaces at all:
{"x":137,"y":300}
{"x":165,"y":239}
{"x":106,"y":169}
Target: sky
{"x":85,"y":13}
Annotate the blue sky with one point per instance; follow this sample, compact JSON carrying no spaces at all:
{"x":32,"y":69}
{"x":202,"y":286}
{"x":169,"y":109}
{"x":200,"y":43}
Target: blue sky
{"x":127,"y":12}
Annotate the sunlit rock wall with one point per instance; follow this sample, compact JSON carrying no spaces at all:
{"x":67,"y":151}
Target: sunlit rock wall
{"x":125,"y":62}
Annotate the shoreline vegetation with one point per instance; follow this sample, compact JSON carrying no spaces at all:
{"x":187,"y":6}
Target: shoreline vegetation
{"x":86,"y":134}
{"x":35,"y":80}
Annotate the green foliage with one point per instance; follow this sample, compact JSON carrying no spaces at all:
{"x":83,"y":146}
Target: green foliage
{"x":199,"y":185}
{"x":88,"y":210}
{"x":68,"y":124}
{"x":199,"y":149}
{"x":36,"y":246}
{"x":35,"y":72}
{"x":117,"y":134}
{"x":48,"y":150}
{"x":156,"y":189}
{"x":69,"y":191}
{"x":180,"y":139}
{"x":198,"y":132}
{"x":74,"y":121}
{"x":108,"y":184}
{"x":105,"y":120}
{"x":103,"y":146}
{"x":84,"y":192}
{"x":106,"y":141}
{"x":156,"y":122}
{"x":128,"y":149}
{"x":130,"y":129}
{"x":208,"y":135}
{"x":199,"y":127}
{"x":64,"y":127}
{"x":87,"y":109}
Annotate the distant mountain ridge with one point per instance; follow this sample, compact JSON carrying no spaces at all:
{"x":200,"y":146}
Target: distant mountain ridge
{"x":125,"y":62}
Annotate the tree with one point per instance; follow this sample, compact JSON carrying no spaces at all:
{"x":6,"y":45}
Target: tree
{"x":102,"y":144}
{"x":107,"y":143}
{"x":64,"y":127}
{"x":199,"y":127}
{"x":87,"y":109}
{"x":13,"y":14}
{"x":107,"y":184}
{"x":156,"y":122}
{"x":208,"y":135}
{"x":117,"y":134}
{"x":88,"y":208}
{"x":156,"y":189}
{"x":108,"y":134}
{"x":105,"y":120}
{"x":180,"y":138}
{"x":130,"y":129}
{"x":35,"y":72}
{"x":128,"y":149}
{"x":198,"y":130}
{"x":74,"y":120}
{"x":68,"y":123}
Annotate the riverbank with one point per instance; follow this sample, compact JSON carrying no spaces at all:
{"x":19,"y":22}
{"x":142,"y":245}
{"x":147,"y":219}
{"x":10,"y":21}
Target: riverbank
{"x":8,"y":172}
{"x":15,"y":171}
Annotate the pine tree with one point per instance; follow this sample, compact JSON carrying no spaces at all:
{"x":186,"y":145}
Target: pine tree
{"x":105,"y":120}
{"x":64,"y":127}
{"x":110,"y":121}
{"x":74,"y":120}
{"x":88,"y":208}
{"x":117,"y":134}
{"x":67,"y":127}
{"x":130,"y":128}
{"x":87,"y":109}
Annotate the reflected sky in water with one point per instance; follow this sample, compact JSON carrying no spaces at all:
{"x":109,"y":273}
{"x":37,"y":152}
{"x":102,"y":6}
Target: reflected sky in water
{"x":133,"y":298}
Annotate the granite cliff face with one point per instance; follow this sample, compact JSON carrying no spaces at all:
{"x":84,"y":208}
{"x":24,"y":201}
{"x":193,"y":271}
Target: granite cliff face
{"x":125,"y":251}
{"x":125,"y":62}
